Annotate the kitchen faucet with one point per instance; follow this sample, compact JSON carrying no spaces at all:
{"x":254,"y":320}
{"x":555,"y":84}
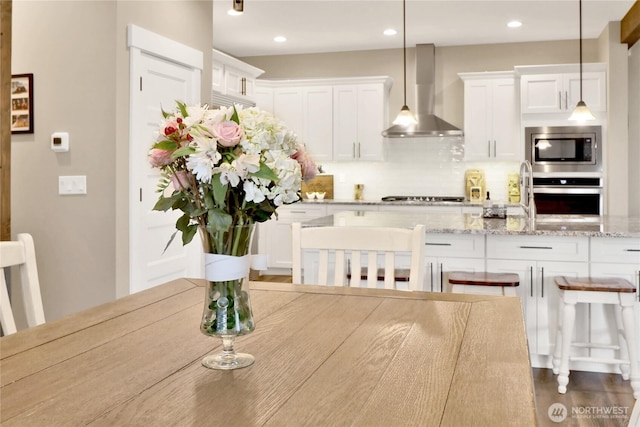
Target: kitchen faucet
{"x":529,"y":207}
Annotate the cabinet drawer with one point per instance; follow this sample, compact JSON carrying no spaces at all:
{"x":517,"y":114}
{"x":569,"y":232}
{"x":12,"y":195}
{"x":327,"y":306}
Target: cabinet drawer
{"x":618,"y":250}
{"x":454,"y":245}
{"x":301,"y":211}
{"x":538,"y":248}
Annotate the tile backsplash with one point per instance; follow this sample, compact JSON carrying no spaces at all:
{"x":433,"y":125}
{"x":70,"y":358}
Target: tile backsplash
{"x":418,"y":167}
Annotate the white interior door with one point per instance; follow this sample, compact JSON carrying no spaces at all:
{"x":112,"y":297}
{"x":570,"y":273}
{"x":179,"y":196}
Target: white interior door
{"x":162,"y":71}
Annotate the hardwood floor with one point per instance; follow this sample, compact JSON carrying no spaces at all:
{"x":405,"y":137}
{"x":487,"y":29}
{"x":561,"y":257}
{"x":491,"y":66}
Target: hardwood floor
{"x":592,"y":399}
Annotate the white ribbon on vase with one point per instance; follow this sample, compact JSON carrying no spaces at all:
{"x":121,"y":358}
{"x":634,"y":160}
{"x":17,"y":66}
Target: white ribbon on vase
{"x":220,"y":268}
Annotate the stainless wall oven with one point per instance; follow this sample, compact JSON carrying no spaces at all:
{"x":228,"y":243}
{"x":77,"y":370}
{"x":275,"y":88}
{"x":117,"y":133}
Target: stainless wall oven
{"x":556,"y":149}
{"x":568,"y":195}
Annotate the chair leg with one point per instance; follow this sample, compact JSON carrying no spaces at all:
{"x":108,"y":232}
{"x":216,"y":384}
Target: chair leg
{"x":568,"y":320}
{"x":628,"y":320}
{"x":558,"y":347}
{"x":623,"y":344}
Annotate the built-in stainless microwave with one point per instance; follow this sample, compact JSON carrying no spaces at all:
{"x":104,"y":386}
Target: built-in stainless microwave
{"x":564,"y":148}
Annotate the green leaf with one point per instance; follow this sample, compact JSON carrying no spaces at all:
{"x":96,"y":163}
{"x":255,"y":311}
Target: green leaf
{"x":183,"y":222}
{"x":265,"y":172}
{"x":218,"y":221}
{"x":187,"y":235}
{"x":219,"y":191}
{"x":166,"y":145}
{"x":183,"y":151}
{"x":234,"y":116}
{"x":183,"y":109}
{"x":166,"y":203}
{"x":164,"y":113}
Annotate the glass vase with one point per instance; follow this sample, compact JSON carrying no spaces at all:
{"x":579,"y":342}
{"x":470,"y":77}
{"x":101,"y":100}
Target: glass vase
{"x":227,"y":310}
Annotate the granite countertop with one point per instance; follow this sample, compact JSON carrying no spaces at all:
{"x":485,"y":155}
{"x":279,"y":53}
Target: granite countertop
{"x":395,"y":203}
{"x":552,"y":225}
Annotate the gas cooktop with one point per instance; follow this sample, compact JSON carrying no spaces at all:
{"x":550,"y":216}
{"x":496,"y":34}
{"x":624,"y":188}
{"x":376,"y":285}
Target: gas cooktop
{"x":423,"y":199}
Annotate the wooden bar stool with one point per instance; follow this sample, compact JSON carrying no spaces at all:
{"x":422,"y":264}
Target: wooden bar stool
{"x":484,"y":282}
{"x":588,"y":290}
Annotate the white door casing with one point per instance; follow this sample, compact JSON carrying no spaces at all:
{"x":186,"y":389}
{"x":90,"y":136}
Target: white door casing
{"x":161,"y":72}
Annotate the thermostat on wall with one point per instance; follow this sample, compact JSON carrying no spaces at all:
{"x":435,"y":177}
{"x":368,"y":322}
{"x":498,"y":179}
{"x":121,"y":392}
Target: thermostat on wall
{"x":60,"y":141}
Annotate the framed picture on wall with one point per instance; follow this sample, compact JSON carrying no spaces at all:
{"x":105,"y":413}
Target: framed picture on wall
{"x":22,"y":103}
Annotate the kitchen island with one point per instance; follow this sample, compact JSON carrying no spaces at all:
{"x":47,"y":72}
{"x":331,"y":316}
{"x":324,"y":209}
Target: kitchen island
{"x":554,"y":245}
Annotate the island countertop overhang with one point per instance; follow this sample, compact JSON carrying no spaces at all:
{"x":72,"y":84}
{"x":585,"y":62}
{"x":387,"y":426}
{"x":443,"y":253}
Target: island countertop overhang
{"x":549,"y":225}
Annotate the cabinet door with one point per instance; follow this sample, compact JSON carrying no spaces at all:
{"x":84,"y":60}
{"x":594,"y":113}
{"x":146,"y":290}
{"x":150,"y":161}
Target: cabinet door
{"x":217,"y":77}
{"x":594,"y":89}
{"x":233,"y":82}
{"x":345,"y":119}
{"x":526,"y":292}
{"x":287,"y":106}
{"x":478,"y":119}
{"x":446,"y":265}
{"x":602,"y":324}
{"x":504,"y":121}
{"x":370,"y":122}
{"x":547,"y":305}
{"x":264,"y":98}
{"x":541,"y":93}
{"x":318,"y":122}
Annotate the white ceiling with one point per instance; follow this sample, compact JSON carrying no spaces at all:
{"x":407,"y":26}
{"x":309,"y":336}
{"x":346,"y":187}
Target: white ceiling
{"x":313,"y":26}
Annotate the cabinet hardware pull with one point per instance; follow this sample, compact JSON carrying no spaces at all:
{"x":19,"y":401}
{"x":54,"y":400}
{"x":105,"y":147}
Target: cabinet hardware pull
{"x":535,"y":247}
{"x":441,"y":278}
{"x":566,"y":100}
{"x":632,"y":250}
{"x":542,"y":282}
{"x":489,"y":147}
{"x":437,"y":244}
{"x":495,"y":152}
{"x":298,"y":212}
{"x":560,"y":100}
{"x":531,"y":279}
{"x":354,"y":150}
{"x":431,"y":274}
{"x":243,"y":85}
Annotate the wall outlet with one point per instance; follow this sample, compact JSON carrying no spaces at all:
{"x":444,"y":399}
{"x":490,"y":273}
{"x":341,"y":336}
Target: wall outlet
{"x":69,"y":185}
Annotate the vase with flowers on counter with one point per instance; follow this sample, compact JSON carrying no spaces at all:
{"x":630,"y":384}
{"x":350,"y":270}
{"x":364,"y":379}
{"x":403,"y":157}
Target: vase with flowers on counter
{"x":226,"y":169}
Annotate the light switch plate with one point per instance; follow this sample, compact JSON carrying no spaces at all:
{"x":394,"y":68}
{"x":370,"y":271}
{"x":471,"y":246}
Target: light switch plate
{"x":70,"y":185}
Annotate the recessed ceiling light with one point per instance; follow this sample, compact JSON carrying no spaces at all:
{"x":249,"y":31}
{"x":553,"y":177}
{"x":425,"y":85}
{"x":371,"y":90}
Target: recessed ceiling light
{"x":514,"y":24}
{"x":390,"y":32}
{"x":280,"y":39}
{"x":232,"y":12}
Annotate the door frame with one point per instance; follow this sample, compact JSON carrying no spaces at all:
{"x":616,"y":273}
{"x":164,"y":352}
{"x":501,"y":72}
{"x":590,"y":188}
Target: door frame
{"x":141,"y":41}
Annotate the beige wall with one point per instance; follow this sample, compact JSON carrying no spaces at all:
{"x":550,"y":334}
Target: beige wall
{"x":78,"y":55}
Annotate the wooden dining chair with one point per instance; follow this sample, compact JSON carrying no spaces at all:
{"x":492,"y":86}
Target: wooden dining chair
{"x":20,"y":253}
{"x":342,"y":249}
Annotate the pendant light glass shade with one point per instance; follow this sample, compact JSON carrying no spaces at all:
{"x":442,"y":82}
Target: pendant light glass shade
{"x":581,"y":113}
{"x":405,"y":116}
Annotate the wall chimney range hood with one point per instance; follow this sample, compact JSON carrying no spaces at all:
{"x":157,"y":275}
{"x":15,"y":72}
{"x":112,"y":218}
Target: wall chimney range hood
{"x":429,"y":125}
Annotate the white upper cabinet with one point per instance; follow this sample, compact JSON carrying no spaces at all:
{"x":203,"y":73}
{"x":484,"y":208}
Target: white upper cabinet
{"x":230,"y":76}
{"x":491,"y":119}
{"x":556,"y":89}
{"x":337,"y":119}
{"x":360,"y":115}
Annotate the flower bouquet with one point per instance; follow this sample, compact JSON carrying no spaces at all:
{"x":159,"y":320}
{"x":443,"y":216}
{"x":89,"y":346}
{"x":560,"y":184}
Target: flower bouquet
{"x":226,"y":169}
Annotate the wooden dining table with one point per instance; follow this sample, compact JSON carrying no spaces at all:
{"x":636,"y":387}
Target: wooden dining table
{"x":325,"y":356}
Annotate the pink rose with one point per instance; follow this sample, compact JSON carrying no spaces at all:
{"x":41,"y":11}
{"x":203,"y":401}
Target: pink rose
{"x":159,"y":157}
{"x":181,"y":180}
{"x":228,"y":134}
{"x":307,"y":166}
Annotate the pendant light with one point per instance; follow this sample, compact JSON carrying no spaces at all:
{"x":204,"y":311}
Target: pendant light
{"x":405,"y":117}
{"x":581,"y":113}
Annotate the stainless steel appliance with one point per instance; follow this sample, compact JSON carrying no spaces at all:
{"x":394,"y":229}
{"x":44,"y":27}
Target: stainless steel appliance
{"x":555,"y":149}
{"x":568,"y":195}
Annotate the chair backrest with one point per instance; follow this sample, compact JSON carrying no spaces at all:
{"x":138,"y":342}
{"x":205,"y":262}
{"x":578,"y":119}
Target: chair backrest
{"x":20,"y":253}
{"x":347,"y":244}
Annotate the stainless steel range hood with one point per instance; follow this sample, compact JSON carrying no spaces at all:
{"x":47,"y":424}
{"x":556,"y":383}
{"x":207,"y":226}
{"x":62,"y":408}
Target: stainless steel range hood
{"x":429,"y":124}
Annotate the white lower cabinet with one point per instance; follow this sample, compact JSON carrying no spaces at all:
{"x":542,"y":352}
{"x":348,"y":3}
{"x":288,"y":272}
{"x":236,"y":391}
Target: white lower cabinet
{"x":612,"y":257}
{"x":451,"y":252}
{"x":275,"y":235}
{"x":538,"y":260}
{"x":334,"y":208}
